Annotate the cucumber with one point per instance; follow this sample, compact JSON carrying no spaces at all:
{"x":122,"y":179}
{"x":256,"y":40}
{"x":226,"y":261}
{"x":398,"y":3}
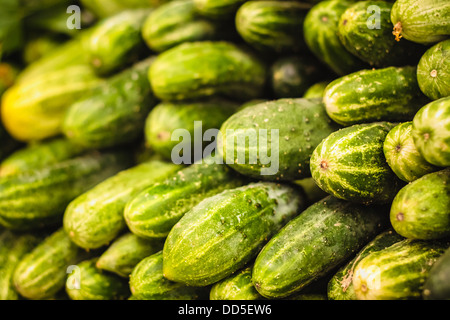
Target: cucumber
{"x":402,"y":155}
{"x":115,"y":113}
{"x":223,"y":233}
{"x":218,"y":9}
{"x":421,"y":209}
{"x":194,"y":70}
{"x":362,"y":96}
{"x":238,"y":286}
{"x":95,"y":218}
{"x":314,"y":243}
{"x":126,"y":252}
{"x":282,"y":135}
{"x":153,"y":212}
{"x":436,"y":285}
{"x":316,"y":90}
{"x":38,"y":198}
{"x":340,"y":287}
{"x":350,"y":164}
{"x":42,"y":272}
{"x":421,"y":21}
{"x":147,"y":282}
{"x":90,"y":283}
{"x":397,"y":272}
{"x":431,"y":132}
{"x":433,"y":71}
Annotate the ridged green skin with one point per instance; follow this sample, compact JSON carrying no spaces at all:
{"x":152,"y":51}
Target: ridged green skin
{"x":41,"y":273}
{"x":218,"y":9}
{"x":301,"y":125}
{"x":238,"y":286}
{"x":421,"y":209}
{"x":13,"y":246}
{"x":176,"y":22}
{"x":397,"y":272}
{"x":39,"y":155}
{"x":369,"y":37}
{"x":431,"y":132}
{"x":202,"y":69}
{"x":117,"y":41}
{"x":224,"y":232}
{"x":402,"y":155}
{"x":316,"y":90}
{"x":362,"y":96}
{"x":107,"y":8}
{"x":350,"y":164}
{"x":95,"y":284}
{"x":321,"y":36}
{"x":166,"y":118}
{"x":38,"y":198}
{"x":422,"y":21}
{"x":437,"y":284}
{"x":433,"y":71}
{"x":154,"y":211}
{"x":272,"y":26}
{"x":340,"y":286}
{"x":95,"y":218}
{"x":147,"y":282}
{"x":319,"y":239}
{"x":291,"y":76}
{"x":126,"y":252}
{"x":115,"y":113}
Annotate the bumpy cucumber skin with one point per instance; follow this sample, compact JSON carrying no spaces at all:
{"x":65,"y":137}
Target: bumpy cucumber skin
{"x":437,"y":284}
{"x":350,"y":164}
{"x":95,"y":218}
{"x":421,"y":209}
{"x":225,"y":232}
{"x":238,"y":286}
{"x":319,"y":239}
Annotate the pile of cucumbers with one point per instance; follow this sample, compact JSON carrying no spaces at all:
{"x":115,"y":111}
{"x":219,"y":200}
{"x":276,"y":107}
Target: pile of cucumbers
{"x":225,"y":150}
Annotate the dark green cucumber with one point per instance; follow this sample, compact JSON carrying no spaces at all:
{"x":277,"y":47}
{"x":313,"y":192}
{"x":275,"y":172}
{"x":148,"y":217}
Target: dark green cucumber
{"x":38,"y":198}
{"x":87,"y":282}
{"x":402,"y":155}
{"x":272,"y":26}
{"x":350,"y":164}
{"x":238,"y":286}
{"x":115,"y":113}
{"x":224,"y":232}
{"x":195,"y":70}
{"x":281,"y":134}
{"x":397,"y":272}
{"x":95,"y":218}
{"x":155,"y":210}
{"x":42,"y":272}
{"x":340,"y":286}
{"x":421,"y":209}
{"x":218,"y":9}
{"x":387,"y":94}
{"x":437,"y":284}
{"x":147,"y":282}
{"x":433,"y":71}
{"x":314,"y":243}
{"x":126,"y":252}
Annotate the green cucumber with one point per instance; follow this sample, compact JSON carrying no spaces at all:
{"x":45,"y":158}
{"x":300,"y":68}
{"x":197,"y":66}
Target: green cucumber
{"x":316,"y":90}
{"x":421,"y":21}
{"x":397,"y":272}
{"x":313,"y":244}
{"x":95,"y":218}
{"x":340,"y":287}
{"x":87,"y":282}
{"x":402,"y":155}
{"x":431,"y":132}
{"x":386,"y":94}
{"x":126,"y":252}
{"x":281,"y":134}
{"x":350,"y":164}
{"x":433,"y":71}
{"x":421,"y":209}
{"x":224,"y":232}
{"x":195,"y":70}
{"x":154,"y":211}
{"x":218,"y":9}
{"x":238,"y":286}
{"x":147,"y":282}
{"x":436,"y":285}
{"x":38,"y":198}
